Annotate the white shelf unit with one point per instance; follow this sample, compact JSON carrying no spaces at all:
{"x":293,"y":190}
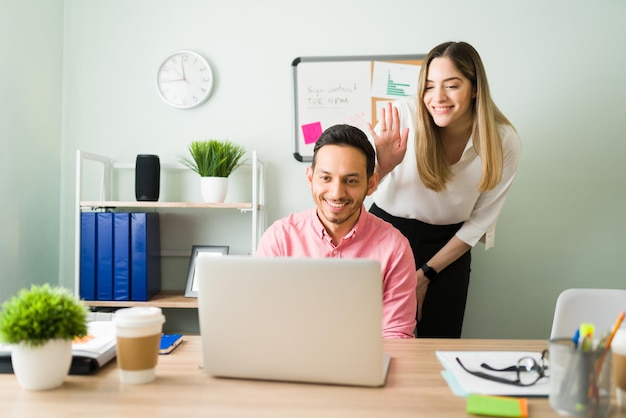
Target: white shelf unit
{"x":166,"y":298}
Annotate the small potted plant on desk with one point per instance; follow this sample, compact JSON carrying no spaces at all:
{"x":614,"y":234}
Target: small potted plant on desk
{"x":40,"y":323}
{"x":214,"y":161}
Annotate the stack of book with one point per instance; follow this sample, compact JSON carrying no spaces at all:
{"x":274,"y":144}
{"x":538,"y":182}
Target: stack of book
{"x":88,"y":353}
{"x":119,"y":256}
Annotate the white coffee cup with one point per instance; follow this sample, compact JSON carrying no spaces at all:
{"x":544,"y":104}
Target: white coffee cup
{"x":138,"y":331}
{"x":618,"y":347}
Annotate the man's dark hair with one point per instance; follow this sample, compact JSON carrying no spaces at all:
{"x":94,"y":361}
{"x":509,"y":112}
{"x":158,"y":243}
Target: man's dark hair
{"x":346,"y":135}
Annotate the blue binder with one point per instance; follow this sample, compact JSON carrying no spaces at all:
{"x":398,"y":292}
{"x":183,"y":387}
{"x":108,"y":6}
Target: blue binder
{"x":104,"y":251}
{"x":121,"y":256}
{"x":87,"y":279}
{"x":145,"y":248}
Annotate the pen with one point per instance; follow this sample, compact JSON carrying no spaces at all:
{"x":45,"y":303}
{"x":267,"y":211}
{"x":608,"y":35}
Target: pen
{"x":587,"y":342}
{"x":576,"y":337}
{"x":586,"y":332}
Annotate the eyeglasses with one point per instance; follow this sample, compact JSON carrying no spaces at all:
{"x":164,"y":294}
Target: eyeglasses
{"x":527,"y":369}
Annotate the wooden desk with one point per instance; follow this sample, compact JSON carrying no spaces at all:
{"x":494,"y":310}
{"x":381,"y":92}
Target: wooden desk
{"x":414,"y":388}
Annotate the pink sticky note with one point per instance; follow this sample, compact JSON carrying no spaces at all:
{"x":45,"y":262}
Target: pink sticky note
{"x":311,"y":132}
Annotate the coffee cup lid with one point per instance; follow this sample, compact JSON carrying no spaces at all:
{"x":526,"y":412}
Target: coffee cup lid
{"x":138,"y":316}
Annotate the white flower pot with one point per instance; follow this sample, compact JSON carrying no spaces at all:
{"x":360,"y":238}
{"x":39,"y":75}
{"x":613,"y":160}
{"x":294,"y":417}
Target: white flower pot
{"x":214,"y":189}
{"x":43,"y":367}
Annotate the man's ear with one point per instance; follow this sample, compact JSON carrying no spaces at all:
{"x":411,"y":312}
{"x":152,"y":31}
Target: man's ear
{"x":309,"y":174}
{"x":372,"y":184}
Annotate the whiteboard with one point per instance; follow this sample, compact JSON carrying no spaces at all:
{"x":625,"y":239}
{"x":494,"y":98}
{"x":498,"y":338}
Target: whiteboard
{"x":336,"y":90}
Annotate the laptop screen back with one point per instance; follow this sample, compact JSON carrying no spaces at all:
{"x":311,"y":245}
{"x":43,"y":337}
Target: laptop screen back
{"x":292,"y":319}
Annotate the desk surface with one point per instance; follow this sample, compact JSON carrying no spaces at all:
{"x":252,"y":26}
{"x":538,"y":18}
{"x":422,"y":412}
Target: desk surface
{"x":414,"y":388}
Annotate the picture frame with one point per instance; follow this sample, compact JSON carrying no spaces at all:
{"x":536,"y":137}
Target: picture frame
{"x":191,"y":288}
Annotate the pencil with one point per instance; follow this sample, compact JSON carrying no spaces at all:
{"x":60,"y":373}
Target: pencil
{"x":600,"y":362}
{"x":618,"y":323}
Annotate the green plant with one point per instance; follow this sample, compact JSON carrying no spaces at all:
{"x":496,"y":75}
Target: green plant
{"x":42,"y":313}
{"x":213,"y":158}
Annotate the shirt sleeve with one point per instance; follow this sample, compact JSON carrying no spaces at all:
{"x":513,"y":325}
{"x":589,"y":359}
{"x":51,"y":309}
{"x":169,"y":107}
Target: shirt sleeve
{"x":399,"y":300}
{"x":488,"y":206}
{"x":269,"y":244}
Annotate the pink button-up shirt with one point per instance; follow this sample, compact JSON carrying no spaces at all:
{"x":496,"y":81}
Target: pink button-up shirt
{"x":302,"y":234}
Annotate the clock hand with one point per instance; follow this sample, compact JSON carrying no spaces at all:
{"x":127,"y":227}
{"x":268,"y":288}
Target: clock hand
{"x":182,"y":65}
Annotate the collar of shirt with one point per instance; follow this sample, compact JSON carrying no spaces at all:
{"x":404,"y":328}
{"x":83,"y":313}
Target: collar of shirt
{"x":319,"y":226}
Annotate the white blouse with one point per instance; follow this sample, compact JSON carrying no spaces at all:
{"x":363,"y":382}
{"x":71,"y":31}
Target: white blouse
{"x":401,"y":193}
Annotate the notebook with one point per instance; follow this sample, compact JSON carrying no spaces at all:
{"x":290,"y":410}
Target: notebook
{"x":314,"y":320}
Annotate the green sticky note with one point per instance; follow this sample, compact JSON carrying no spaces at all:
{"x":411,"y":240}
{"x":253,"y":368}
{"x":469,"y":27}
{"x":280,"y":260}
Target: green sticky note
{"x":497,"y":406}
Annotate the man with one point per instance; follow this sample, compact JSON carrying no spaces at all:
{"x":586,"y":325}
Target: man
{"x":340,"y":177}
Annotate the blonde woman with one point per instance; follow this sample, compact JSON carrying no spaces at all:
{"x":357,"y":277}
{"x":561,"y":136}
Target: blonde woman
{"x":447,"y":160}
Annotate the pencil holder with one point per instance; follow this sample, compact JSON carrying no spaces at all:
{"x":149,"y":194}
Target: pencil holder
{"x":580,"y":379}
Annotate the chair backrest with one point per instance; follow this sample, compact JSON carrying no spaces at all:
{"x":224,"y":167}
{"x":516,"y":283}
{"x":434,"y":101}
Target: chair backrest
{"x":597,"y":306}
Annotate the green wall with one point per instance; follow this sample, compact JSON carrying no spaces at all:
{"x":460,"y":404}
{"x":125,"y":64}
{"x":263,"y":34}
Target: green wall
{"x":31,"y":53}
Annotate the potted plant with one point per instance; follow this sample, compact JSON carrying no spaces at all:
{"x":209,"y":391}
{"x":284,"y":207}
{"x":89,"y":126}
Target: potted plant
{"x":214,"y":161}
{"x":40,"y":323}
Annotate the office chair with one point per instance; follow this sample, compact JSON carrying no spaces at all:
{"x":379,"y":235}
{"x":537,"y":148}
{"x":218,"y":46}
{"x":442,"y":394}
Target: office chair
{"x":597,"y":306}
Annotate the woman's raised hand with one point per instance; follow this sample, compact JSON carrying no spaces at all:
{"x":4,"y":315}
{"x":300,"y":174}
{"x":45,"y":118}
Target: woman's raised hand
{"x":390,"y":143}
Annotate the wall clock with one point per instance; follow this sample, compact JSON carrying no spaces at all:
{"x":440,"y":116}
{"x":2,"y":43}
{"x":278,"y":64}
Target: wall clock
{"x":184,"y":79}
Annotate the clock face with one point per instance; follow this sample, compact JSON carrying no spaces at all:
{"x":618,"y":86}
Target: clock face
{"x":184,"y":79}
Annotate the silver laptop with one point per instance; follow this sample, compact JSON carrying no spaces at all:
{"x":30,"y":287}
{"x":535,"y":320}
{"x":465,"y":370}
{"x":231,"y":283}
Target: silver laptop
{"x":314,"y":320}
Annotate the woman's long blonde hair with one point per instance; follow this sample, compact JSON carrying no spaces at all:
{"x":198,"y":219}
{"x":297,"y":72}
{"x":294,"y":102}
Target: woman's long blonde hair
{"x":432,"y":165}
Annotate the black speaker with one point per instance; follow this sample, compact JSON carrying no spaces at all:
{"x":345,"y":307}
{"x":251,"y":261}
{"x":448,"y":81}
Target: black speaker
{"x":147,"y":177}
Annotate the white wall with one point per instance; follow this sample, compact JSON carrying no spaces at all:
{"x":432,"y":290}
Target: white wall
{"x":31,"y":33}
{"x":556,"y":70}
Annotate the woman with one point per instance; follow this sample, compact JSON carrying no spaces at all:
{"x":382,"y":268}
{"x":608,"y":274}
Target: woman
{"x":447,"y":161}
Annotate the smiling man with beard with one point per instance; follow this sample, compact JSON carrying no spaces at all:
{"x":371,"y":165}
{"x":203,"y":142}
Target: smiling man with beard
{"x":341,"y":176}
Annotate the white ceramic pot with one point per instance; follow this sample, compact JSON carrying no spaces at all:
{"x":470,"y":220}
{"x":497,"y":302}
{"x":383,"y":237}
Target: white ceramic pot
{"x":213,"y":189}
{"x":43,"y":367}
